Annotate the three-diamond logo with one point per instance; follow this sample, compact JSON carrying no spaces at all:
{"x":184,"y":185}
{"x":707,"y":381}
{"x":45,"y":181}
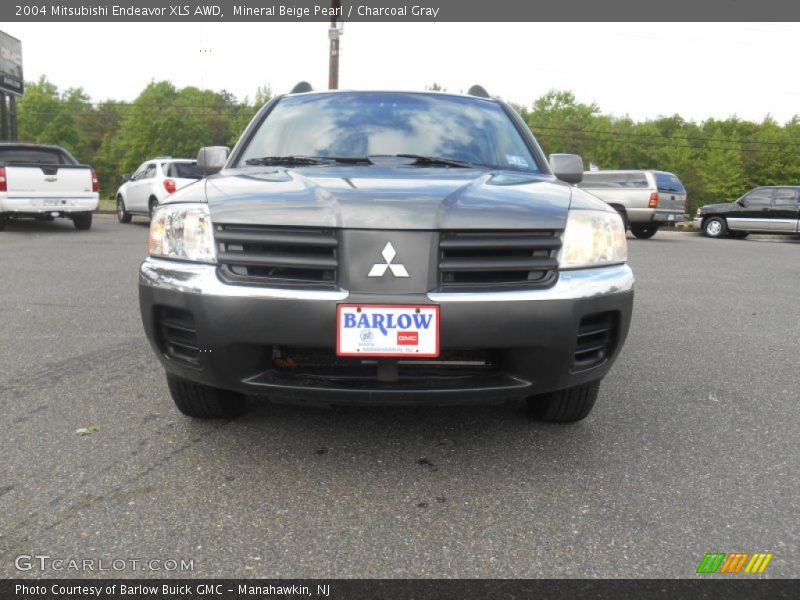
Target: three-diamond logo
{"x":379,"y":269}
{"x":732,"y":563}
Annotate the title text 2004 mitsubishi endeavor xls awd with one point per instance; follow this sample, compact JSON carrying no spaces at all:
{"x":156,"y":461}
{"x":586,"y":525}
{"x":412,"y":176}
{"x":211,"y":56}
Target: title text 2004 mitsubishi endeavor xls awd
{"x":386,"y":247}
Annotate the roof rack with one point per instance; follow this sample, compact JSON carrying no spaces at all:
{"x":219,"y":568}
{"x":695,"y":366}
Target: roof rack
{"x":302,"y":88}
{"x":479,"y":91}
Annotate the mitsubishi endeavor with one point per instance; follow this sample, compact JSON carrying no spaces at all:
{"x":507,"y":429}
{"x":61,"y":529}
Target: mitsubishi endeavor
{"x":386,"y":248}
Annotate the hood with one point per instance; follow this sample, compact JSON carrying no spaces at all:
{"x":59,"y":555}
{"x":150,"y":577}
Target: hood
{"x":378,"y":197}
{"x":722,"y":207}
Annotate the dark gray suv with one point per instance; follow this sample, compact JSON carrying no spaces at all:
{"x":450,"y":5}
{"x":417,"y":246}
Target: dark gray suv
{"x":386,"y":248}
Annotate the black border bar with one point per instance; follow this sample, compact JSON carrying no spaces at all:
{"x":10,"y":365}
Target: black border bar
{"x":397,"y":10}
{"x":401,"y":589}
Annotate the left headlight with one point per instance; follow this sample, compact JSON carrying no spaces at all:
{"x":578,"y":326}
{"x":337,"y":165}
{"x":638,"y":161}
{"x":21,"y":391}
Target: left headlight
{"x":592,"y":239}
{"x":182,"y":231}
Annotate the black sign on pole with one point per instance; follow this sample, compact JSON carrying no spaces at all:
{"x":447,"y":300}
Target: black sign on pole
{"x":11,"y":81}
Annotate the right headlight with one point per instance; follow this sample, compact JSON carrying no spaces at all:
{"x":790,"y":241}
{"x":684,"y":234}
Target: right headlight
{"x":593,"y":238}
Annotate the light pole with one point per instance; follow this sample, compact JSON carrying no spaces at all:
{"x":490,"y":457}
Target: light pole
{"x":333,"y":35}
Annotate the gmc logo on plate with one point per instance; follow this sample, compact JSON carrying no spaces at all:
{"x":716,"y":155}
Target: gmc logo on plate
{"x":407,"y":338}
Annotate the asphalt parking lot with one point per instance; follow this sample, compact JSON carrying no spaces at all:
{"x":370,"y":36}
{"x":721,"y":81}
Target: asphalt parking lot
{"x":692,"y":447}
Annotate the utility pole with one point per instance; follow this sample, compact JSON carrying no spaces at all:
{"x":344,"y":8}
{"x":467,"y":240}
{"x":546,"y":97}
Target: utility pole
{"x":333,"y":35}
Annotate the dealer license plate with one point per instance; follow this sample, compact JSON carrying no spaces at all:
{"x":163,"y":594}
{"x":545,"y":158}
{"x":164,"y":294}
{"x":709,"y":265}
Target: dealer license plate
{"x":387,"y":330}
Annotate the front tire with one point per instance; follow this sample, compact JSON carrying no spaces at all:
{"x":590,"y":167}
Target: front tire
{"x":203,"y":401}
{"x":715,"y":227}
{"x":82,"y":221}
{"x":123,"y":216}
{"x":644,"y":232}
{"x":565,"y":406}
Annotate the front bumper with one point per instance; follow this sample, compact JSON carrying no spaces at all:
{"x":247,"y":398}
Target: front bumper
{"x":531,"y":336}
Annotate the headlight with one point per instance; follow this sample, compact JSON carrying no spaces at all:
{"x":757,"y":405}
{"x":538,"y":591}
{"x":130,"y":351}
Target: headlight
{"x":592,"y":239}
{"x":699,"y":211}
{"x":182,"y":231}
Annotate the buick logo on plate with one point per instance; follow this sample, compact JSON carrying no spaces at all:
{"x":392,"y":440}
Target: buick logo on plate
{"x":379,"y":269}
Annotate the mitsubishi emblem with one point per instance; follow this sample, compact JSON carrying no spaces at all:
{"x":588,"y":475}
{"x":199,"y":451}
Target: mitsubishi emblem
{"x":379,"y":269}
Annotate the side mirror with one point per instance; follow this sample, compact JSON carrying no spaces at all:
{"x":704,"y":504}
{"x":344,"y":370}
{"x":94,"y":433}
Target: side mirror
{"x":211,"y":159}
{"x":567,"y":167}
{"x":126,"y":177}
{"x":742,"y":202}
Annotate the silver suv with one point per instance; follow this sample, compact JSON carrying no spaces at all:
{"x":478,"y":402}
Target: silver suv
{"x":645,"y":199}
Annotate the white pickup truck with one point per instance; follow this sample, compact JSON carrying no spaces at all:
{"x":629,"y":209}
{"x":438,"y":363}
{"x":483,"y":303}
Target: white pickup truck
{"x":43,"y":182}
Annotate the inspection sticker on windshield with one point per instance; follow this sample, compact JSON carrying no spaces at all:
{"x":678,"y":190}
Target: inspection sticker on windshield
{"x":387,"y":330}
{"x":516,"y":160}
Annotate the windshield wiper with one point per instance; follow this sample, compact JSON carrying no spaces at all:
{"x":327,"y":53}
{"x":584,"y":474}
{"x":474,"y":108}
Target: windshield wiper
{"x":307,"y":160}
{"x":420,"y":159}
{"x":287,"y":160}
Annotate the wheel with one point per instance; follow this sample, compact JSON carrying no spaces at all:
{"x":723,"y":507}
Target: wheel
{"x":644,"y":232}
{"x":715,"y":227}
{"x":123,"y":216}
{"x":204,"y":402}
{"x":565,"y":406}
{"x":3,"y":221}
{"x":738,"y":235}
{"x":151,"y":206}
{"x":82,"y":221}
{"x":624,"y":214}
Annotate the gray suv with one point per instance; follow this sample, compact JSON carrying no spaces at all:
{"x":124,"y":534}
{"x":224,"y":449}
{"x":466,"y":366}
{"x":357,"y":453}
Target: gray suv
{"x":645,"y":199}
{"x":386,"y":248}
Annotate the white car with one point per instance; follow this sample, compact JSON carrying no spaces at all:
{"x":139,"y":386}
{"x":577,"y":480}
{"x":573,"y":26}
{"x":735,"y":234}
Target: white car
{"x":152,"y":182}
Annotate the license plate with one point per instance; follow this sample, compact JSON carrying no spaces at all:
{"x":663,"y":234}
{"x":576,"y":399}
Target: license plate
{"x":387,"y":330}
{"x":671,"y":218}
{"x":52,"y":202}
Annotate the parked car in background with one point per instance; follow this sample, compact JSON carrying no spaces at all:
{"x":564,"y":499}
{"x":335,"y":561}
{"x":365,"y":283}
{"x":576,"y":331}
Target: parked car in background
{"x":153,"y":181}
{"x":766,"y":209}
{"x":44,"y":182}
{"x":386,"y":247}
{"x":645,"y":199}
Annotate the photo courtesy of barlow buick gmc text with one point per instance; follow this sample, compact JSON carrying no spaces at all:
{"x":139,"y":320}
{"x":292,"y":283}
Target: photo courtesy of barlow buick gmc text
{"x":441,"y":300}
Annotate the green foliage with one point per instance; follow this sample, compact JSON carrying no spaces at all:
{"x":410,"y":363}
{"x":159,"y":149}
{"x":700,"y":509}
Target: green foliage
{"x":717,"y":160}
{"x":117,"y":137}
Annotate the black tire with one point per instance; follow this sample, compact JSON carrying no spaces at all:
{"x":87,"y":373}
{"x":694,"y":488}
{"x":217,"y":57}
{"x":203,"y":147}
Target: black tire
{"x":123,"y":216}
{"x":715,"y":227}
{"x":644,"y":232}
{"x":565,"y":406}
{"x":3,"y":221}
{"x":624,"y":214}
{"x":204,"y":402}
{"x":738,"y":235}
{"x":82,"y":221}
{"x":151,"y":206}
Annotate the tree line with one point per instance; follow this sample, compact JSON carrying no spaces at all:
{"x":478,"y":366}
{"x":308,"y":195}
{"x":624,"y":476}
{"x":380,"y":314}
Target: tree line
{"x":717,"y":159}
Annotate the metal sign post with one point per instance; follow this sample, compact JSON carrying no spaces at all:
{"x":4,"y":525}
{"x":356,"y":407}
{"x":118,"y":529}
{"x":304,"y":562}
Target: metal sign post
{"x":333,"y":34}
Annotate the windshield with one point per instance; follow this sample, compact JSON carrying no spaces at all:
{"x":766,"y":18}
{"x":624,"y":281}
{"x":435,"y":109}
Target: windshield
{"x":361,"y":124}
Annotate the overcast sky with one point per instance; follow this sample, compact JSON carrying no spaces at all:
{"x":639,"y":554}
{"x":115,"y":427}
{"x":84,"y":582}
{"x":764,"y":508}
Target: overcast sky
{"x":640,"y":69}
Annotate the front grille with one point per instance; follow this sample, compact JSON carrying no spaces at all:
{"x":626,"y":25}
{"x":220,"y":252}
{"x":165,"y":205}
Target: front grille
{"x":595,"y":340}
{"x":512,"y":259}
{"x":289,"y":256}
{"x":178,"y":335}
